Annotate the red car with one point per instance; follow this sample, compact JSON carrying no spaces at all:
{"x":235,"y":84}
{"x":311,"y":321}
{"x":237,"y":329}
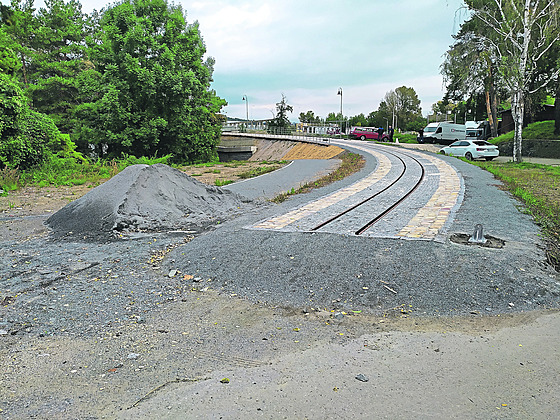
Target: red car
{"x":367,"y":133}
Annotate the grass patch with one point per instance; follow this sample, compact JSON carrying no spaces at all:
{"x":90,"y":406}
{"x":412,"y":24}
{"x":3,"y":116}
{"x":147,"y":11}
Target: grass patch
{"x":403,"y":138}
{"x":261,"y":170}
{"x":406,"y":138}
{"x":235,"y":164}
{"x":9,"y":179}
{"x":351,"y":163}
{"x":222,"y":182}
{"x":542,"y":130}
{"x":58,"y":171}
{"x":538,"y":187}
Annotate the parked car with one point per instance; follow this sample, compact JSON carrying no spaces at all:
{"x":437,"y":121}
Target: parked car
{"x":366,"y":133}
{"x":471,"y":149}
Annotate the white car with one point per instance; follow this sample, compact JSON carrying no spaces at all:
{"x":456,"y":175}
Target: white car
{"x":471,"y":149}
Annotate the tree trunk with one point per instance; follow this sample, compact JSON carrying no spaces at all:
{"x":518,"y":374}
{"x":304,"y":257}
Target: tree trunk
{"x":489,"y":110}
{"x":492,"y":102}
{"x":24,"y":69}
{"x":557,"y":109}
{"x":494,"y":107}
{"x":517,"y":111}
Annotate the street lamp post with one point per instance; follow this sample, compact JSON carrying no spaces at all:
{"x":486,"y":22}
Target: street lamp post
{"x":247,"y":109}
{"x":341,"y":115}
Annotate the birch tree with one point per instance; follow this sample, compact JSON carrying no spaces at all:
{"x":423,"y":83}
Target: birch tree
{"x":526,"y":30}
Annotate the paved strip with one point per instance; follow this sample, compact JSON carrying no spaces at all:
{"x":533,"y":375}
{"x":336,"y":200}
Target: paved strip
{"x":426,"y":224}
{"x":271,"y":184}
{"x":280,"y":222}
{"x":431,"y":218}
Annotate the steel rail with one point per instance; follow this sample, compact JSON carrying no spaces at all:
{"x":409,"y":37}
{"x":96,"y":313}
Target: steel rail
{"x":348,"y":210}
{"x":385,"y":212}
{"x":398,"y":202}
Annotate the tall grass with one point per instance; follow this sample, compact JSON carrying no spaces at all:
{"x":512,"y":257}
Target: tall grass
{"x":56,"y":171}
{"x":538,"y":187}
{"x":9,"y":179}
{"x":542,"y":130}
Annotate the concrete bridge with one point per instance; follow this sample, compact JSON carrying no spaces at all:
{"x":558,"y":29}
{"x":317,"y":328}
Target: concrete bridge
{"x":244,"y":146}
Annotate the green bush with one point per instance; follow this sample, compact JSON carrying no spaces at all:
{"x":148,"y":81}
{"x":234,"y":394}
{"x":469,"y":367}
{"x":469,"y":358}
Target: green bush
{"x":12,"y":106}
{"x":28,"y":138}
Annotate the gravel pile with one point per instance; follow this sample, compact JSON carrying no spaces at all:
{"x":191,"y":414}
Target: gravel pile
{"x":153,"y":198}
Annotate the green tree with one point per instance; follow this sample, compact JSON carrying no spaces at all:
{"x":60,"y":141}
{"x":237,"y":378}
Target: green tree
{"x":400,"y":107}
{"x":470,"y":68}
{"x":358,"y":120}
{"x":21,"y":24}
{"x":280,"y":123}
{"x":150,"y":91}
{"x":27,"y":137}
{"x":309,"y":117}
{"x":9,"y":62}
{"x":58,"y":60}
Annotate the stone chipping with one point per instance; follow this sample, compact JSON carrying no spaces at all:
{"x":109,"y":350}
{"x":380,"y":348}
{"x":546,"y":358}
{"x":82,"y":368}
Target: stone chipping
{"x":144,"y":198}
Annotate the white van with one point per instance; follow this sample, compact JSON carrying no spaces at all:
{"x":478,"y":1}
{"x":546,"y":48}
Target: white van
{"x":444,"y":132}
{"x":478,"y":130}
{"x":425,"y":136}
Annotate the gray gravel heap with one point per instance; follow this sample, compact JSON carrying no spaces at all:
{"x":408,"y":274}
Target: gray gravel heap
{"x":153,"y":198}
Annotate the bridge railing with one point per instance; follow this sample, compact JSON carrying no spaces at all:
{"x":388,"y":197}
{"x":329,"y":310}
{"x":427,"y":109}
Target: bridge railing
{"x":286,"y":134}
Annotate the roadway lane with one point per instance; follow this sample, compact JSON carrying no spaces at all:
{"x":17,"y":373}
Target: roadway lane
{"x":294,"y":175}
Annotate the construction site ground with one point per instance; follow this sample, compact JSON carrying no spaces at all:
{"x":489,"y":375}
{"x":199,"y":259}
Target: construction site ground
{"x":199,"y":353}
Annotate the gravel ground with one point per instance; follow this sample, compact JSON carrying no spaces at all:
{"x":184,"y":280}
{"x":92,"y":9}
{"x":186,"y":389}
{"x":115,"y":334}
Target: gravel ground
{"x":308,"y":270}
{"x":299,"y":270}
{"x":92,"y":329}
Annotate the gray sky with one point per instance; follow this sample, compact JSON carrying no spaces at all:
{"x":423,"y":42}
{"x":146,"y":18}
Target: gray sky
{"x":308,"y":49}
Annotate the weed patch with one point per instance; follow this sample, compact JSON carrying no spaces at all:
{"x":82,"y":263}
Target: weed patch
{"x":9,"y":179}
{"x":222,"y":182}
{"x":257,"y":171}
{"x":351,"y":163}
{"x":538,"y":187}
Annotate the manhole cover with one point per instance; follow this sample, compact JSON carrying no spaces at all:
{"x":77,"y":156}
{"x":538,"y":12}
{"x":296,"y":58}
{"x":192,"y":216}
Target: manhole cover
{"x":463,"y":239}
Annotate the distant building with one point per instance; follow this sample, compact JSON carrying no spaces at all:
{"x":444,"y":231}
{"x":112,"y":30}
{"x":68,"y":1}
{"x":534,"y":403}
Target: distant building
{"x":507,"y":124}
{"x":236,"y":124}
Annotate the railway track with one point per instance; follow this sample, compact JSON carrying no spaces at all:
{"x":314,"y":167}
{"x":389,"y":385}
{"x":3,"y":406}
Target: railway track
{"x":382,"y":210}
{"x":409,"y":194}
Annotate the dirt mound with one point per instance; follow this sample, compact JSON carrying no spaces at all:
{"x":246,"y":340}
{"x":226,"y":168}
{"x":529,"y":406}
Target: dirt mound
{"x":146,"y":198}
{"x":312,"y":151}
{"x":291,"y":150}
